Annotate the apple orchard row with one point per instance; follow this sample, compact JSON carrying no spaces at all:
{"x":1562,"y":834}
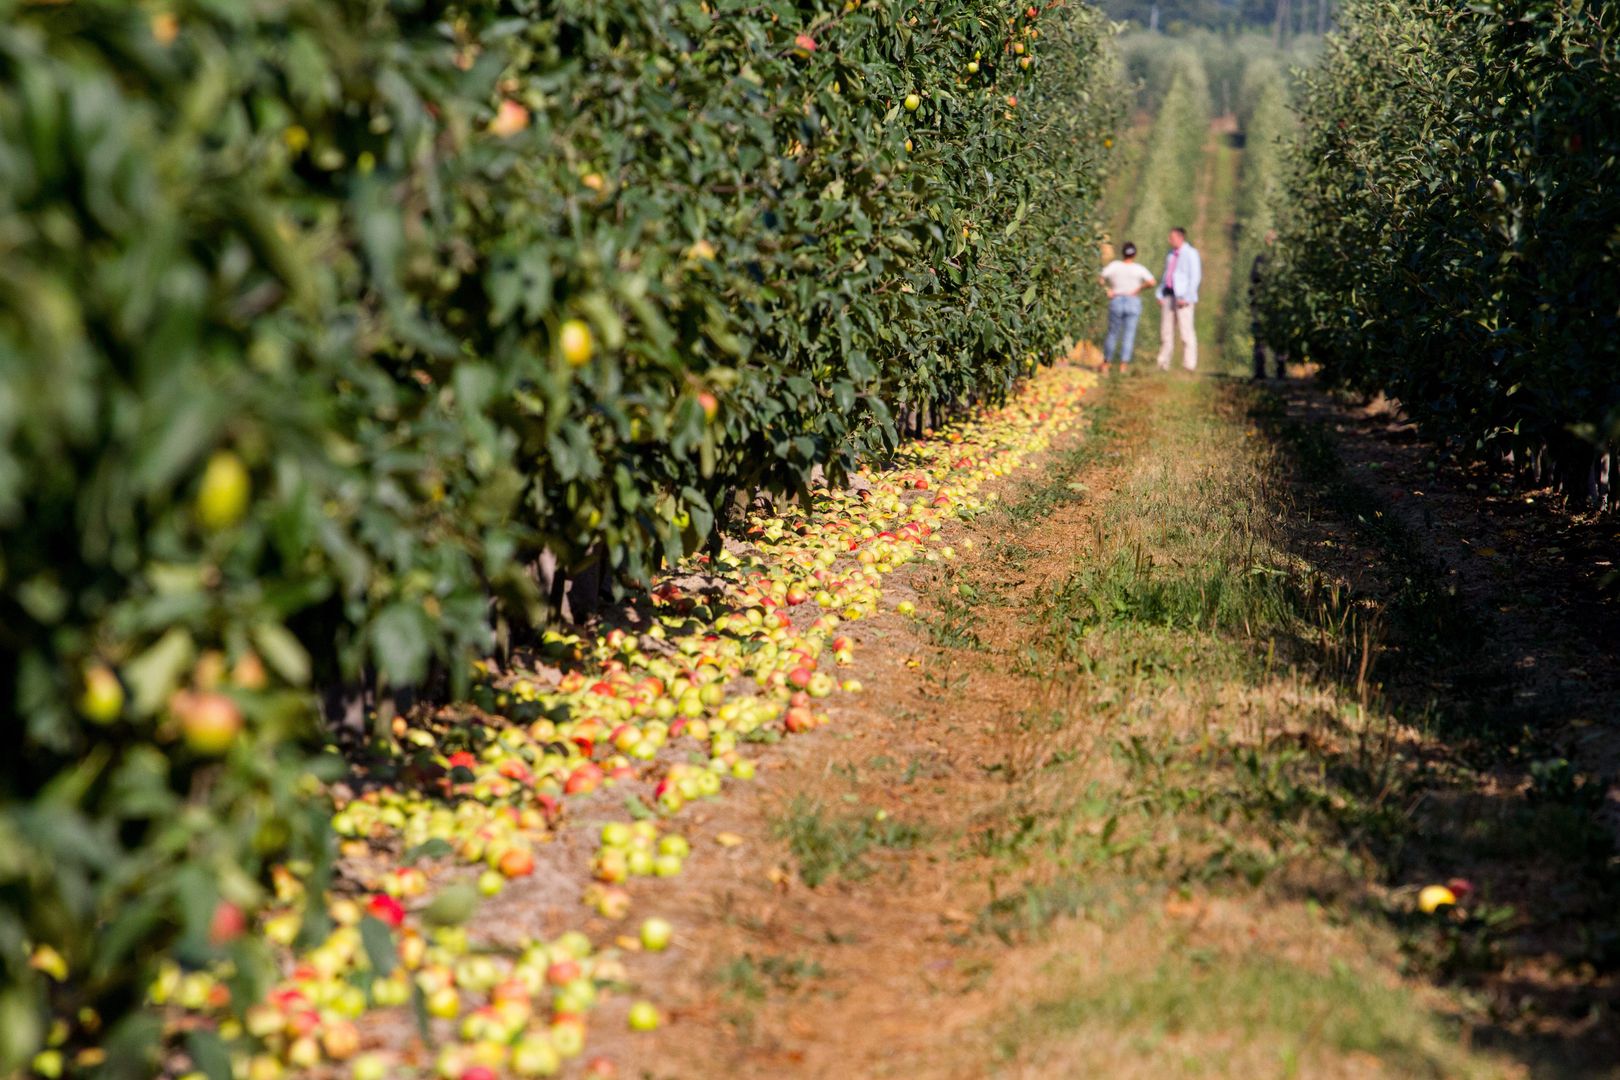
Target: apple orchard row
{"x":328,"y":322}
{"x":667,"y":709}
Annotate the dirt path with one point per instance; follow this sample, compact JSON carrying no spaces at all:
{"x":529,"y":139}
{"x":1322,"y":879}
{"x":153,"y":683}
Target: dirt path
{"x":1152,"y":783}
{"x":1119,"y":804}
{"x":838,"y":934}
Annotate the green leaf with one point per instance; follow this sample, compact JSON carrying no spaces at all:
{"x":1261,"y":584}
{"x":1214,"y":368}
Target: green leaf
{"x":378,"y":940}
{"x":156,"y":673}
{"x":435,"y":847}
{"x":282,"y":652}
{"x":400,"y":643}
{"x":208,"y":1054}
{"x":20,"y":1028}
{"x":453,"y":905}
{"x":424,"y":1025}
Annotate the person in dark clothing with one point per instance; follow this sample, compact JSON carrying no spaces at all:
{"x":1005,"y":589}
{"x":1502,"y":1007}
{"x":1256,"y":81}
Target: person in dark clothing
{"x":1257,"y":274}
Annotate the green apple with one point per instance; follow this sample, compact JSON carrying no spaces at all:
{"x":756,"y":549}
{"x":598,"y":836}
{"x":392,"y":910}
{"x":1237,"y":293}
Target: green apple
{"x":644,"y":1016}
{"x":656,"y":934}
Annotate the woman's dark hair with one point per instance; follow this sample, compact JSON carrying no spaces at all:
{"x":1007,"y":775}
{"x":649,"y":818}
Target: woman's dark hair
{"x":1129,"y":250}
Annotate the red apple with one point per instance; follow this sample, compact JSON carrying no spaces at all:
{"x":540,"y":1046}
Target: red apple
{"x":209,"y":722}
{"x":517,"y":862}
{"x":227,"y":924}
{"x":386,"y":908}
{"x":510,"y":118}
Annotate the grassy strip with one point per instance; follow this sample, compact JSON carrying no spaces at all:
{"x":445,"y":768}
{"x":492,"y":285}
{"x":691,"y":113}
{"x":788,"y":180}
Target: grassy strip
{"x":1277,"y":1015}
{"x":1038,"y":500}
{"x":1225,"y":750}
{"x":1213,"y":234}
{"x":828,"y":845}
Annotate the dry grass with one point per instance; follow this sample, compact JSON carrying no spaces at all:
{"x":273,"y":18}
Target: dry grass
{"x":1127,"y":800}
{"x":1157,"y":836}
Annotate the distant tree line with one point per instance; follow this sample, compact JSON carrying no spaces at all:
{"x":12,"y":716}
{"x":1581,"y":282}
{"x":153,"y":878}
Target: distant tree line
{"x":1284,"y":18}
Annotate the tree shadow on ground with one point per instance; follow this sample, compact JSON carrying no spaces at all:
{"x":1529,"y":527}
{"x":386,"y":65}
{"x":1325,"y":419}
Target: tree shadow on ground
{"x":1498,"y":756}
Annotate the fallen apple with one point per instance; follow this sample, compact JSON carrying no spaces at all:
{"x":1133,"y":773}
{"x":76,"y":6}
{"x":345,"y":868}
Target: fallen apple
{"x":644,"y":1016}
{"x":656,"y":934}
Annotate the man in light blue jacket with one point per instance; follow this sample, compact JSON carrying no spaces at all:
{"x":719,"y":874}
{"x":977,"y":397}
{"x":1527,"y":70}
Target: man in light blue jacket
{"x":1178,"y":294}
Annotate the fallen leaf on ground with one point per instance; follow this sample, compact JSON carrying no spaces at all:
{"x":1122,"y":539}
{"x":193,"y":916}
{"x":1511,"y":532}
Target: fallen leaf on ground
{"x":1177,"y":908}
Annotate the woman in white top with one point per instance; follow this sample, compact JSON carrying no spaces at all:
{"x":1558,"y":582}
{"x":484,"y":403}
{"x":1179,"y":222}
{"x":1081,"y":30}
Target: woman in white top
{"x":1124,"y":278}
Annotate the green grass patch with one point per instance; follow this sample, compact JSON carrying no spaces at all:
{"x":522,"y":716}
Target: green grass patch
{"x":829,"y":845}
{"x":753,"y":977}
{"x":1233,"y":999}
{"x":1254,"y":645}
{"x":1037,"y":501}
{"x":951,"y":623}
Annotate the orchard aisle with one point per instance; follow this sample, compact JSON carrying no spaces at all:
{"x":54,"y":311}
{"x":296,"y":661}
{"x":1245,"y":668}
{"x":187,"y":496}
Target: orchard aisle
{"x":1151,"y":785}
{"x":837,"y":927}
{"x":1162,"y":779}
{"x":1215,"y":231}
{"x":1094,"y":815}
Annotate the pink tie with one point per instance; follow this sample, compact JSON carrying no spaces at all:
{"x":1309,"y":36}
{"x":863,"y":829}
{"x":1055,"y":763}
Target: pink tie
{"x":1170,"y":269}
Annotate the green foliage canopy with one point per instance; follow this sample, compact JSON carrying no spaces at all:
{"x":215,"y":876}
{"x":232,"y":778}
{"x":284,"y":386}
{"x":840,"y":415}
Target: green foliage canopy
{"x":282,"y":287}
{"x":1451,"y":230}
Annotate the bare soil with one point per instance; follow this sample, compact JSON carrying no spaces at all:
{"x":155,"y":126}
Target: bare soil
{"x":1545,"y":581}
{"x":889,"y":966}
{"x":880,"y":976}
{"x":1527,"y":713}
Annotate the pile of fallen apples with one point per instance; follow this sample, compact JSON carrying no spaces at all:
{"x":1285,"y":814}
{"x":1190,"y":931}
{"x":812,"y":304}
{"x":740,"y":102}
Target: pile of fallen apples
{"x":663,"y":712}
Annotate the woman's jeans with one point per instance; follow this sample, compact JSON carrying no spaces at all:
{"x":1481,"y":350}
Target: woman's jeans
{"x":1124,"y":312}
